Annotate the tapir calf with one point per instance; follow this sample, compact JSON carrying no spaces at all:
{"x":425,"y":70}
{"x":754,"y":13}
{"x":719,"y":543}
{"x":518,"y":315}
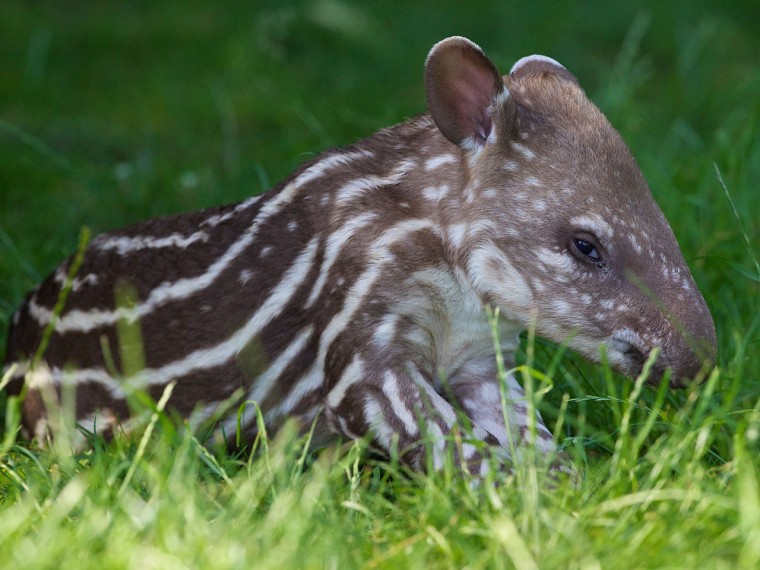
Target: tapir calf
{"x":355,"y":291}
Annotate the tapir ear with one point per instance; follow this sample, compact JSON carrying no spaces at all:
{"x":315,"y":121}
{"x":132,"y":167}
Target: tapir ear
{"x":461,"y":84}
{"x":538,"y":64}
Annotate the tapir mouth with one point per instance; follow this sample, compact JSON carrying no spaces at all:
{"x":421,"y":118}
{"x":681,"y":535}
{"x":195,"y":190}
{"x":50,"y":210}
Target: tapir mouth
{"x":629,"y":354}
{"x":627,"y":350}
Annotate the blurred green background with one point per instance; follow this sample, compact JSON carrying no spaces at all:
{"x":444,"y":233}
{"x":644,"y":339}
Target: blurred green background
{"x":112,"y":112}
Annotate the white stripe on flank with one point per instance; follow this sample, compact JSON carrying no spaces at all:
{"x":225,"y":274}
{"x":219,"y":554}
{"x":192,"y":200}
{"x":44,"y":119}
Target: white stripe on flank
{"x":385,"y":332}
{"x":357,"y":187}
{"x":306,"y":384}
{"x":335,"y":243}
{"x":263,"y":384}
{"x":206,"y":358}
{"x":124,"y":244}
{"x":378,"y":256}
{"x":391,"y":390}
{"x":378,"y":424}
{"x":351,"y":374}
{"x":85,"y":321}
{"x":78,"y":282}
{"x":217,"y":219}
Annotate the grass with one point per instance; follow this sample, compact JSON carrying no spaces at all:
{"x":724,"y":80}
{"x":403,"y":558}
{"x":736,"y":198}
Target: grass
{"x":114,"y":113}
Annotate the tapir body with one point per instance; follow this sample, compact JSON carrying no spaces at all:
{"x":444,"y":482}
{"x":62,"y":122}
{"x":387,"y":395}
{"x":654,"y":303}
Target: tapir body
{"x":355,"y":291}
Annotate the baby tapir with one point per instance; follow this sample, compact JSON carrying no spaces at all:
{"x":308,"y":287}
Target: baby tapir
{"x":355,"y":291}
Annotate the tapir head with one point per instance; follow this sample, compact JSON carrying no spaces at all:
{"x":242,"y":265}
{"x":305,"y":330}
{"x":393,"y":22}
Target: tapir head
{"x":562,"y":232}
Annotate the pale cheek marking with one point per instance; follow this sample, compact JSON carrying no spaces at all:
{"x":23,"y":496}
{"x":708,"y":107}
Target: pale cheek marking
{"x":559,"y":261}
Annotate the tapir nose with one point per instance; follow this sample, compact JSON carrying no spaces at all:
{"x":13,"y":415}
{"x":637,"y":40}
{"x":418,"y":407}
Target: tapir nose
{"x":693,"y":350}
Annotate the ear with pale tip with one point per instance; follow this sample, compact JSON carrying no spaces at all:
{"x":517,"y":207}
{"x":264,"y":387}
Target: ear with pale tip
{"x":461,"y":84}
{"x":538,"y":64}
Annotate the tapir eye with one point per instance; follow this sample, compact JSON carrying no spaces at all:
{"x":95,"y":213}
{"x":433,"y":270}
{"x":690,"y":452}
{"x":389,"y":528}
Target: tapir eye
{"x":586,"y":248}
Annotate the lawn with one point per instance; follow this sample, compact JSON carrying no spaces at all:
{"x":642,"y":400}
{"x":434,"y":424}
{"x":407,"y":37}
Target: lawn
{"x":111,"y":113}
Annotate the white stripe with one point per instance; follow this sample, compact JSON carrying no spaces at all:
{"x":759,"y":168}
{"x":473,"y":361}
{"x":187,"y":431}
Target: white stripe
{"x":306,"y":384}
{"x":124,"y":244}
{"x":378,"y":424}
{"x":85,"y":321}
{"x":378,"y":255}
{"x":77,"y":283}
{"x":334,"y":244}
{"x":391,"y":390}
{"x":385,"y":332}
{"x":352,"y":374}
{"x":356,"y":188}
{"x":217,"y":219}
{"x":217,"y":355}
{"x":263,"y":384}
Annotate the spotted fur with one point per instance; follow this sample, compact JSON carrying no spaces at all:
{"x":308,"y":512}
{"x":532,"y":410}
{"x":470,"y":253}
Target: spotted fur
{"x":355,"y":290}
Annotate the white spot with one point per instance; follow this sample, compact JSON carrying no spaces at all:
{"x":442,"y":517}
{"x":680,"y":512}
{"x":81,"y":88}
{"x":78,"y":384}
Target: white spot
{"x":266,"y":250}
{"x":533,"y":181}
{"x":437,"y":161}
{"x":523,"y":150}
{"x":512,"y":166}
{"x":434,"y":193}
{"x":456,"y":234}
{"x":539,"y":205}
{"x":245,"y":276}
{"x":292,"y":225}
